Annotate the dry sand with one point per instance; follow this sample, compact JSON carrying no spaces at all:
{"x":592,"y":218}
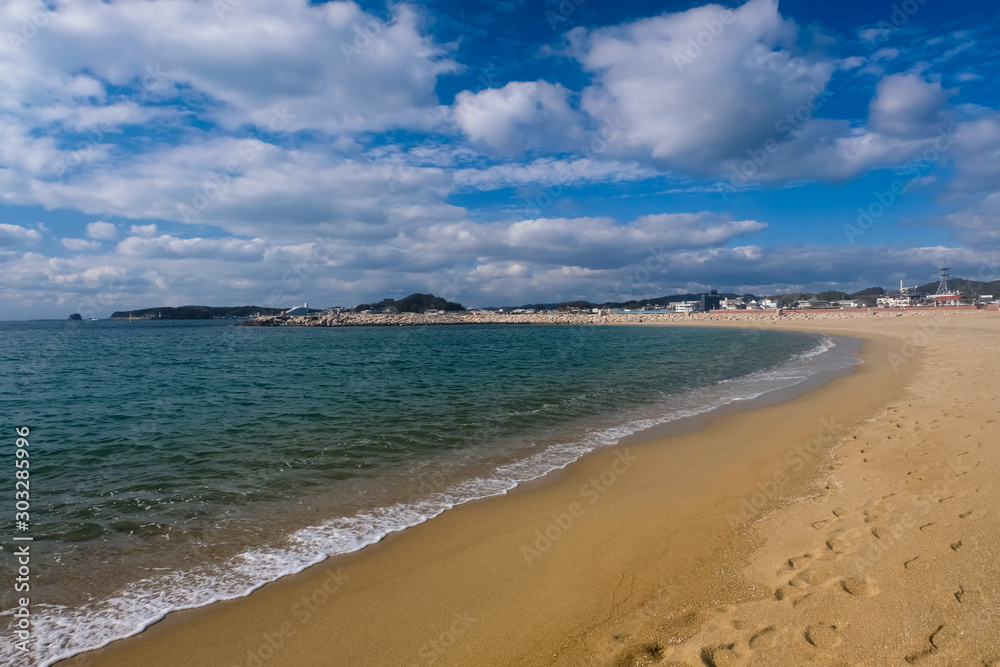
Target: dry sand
{"x":854,"y":525}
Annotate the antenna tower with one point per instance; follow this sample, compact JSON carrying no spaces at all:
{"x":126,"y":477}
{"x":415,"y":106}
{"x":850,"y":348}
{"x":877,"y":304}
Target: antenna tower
{"x":943,"y":285}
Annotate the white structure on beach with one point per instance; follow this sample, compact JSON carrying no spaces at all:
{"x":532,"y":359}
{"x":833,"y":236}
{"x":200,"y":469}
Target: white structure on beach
{"x":298,"y":311}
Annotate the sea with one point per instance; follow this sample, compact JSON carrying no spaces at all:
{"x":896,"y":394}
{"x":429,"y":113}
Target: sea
{"x":177,"y":463}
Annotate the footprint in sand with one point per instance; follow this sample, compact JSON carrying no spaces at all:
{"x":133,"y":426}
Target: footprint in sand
{"x":796,"y":562}
{"x":860,"y":587}
{"x":823,"y":635}
{"x":968,"y":595}
{"x":808,"y":578}
{"x":838,"y":544}
{"x":935,"y":640}
{"x":724,"y":655}
{"x":765,"y":638}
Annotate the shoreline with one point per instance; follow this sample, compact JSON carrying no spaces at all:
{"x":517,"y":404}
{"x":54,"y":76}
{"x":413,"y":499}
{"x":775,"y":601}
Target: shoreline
{"x":794,"y":376}
{"x":467,"y":539}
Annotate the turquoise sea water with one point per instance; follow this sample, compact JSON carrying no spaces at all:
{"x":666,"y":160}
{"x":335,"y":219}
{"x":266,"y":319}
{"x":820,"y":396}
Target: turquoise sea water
{"x":177,"y":463}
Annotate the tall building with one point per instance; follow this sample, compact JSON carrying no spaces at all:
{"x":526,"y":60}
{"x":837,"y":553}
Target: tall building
{"x":710,"y":301}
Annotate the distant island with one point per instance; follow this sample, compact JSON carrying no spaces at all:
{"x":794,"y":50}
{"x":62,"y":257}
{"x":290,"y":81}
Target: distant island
{"x":76,"y":316}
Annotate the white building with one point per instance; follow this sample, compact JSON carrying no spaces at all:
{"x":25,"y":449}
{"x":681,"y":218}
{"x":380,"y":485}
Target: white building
{"x":847,"y":303}
{"x":298,"y":311}
{"x":687,"y":307}
{"x":770,"y":303}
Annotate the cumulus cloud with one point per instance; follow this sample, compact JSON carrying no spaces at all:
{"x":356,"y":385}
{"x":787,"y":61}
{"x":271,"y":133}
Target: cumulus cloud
{"x":11,"y":235}
{"x":519,"y":116}
{"x":696,"y":87}
{"x":103,"y":231}
{"x":329,"y":66}
{"x":907,"y":106}
{"x":252,"y":188}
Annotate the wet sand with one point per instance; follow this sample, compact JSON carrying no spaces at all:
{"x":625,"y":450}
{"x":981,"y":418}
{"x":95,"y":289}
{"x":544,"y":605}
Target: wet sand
{"x":854,"y":524}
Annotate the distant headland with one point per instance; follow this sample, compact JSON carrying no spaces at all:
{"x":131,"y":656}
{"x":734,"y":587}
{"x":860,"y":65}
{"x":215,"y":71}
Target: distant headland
{"x":195,"y":313}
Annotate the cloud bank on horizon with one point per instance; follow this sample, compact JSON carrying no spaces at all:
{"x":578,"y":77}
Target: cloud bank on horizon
{"x":271,"y":152}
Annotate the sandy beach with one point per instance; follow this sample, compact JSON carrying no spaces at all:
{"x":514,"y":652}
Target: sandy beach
{"x":853,"y":525}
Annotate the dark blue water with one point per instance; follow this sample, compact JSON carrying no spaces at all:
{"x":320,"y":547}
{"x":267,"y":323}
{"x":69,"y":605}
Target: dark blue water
{"x":175,"y":463}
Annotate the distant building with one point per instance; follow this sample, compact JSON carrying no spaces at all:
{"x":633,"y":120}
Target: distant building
{"x":710,"y":301}
{"x":771,"y":304}
{"x":298,"y":311}
{"x":847,"y":303}
{"x":733,"y":304}
{"x":813,"y":303}
{"x":687,"y":307}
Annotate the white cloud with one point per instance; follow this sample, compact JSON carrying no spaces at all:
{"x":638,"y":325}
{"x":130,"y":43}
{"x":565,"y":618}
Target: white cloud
{"x":79,"y":244}
{"x":145,"y":231}
{"x":103,"y":231}
{"x":16,"y":235}
{"x":885,"y":54}
{"x":907,"y":106}
{"x":519,"y":116}
{"x":250,"y":188}
{"x":693,"y":106}
{"x":977,"y":155}
{"x":594,"y":243}
{"x":977,"y":223}
{"x":550,"y":171}
{"x":327,"y":66}
{"x":172,"y":247}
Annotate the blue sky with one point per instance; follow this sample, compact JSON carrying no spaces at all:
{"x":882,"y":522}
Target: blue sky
{"x":272,"y":152}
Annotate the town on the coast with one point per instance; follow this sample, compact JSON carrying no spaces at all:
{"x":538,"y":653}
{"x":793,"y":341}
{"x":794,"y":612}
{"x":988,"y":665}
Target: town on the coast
{"x":946,"y":293}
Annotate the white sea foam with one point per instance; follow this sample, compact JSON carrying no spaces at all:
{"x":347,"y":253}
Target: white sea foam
{"x":61,"y":632}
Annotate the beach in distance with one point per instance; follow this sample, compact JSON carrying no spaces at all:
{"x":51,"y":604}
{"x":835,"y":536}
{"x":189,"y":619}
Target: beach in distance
{"x":849,"y":522}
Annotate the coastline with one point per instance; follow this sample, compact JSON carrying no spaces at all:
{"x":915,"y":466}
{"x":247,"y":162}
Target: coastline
{"x":346,"y":319}
{"x":464,"y":581}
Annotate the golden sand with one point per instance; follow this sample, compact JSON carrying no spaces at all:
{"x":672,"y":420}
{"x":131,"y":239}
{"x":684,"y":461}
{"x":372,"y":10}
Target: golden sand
{"x":854,"y":525}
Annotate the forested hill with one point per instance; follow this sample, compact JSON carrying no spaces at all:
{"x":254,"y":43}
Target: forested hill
{"x":195,"y":312}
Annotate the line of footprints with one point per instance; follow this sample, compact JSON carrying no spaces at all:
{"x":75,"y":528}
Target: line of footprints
{"x":805,"y":578}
